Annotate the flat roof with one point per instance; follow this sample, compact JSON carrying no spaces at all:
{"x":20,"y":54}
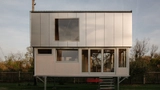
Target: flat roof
{"x":81,"y":11}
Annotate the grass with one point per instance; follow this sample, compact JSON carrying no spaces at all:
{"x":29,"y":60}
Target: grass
{"x":29,"y":86}
{"x":140,"y":87}
{"x":50,"y":86}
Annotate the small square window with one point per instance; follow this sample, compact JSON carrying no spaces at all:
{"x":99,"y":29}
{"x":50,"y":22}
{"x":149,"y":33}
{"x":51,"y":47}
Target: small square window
{"x":67,"y":29}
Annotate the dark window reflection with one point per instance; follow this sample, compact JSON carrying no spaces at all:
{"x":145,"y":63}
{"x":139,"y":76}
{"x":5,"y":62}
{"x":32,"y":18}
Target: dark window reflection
{"x":84,"y":60}
{"x":95,"y":60}
{"x":44,"y":51}
{"x":108,"y":60}
{"x":67,"y":29}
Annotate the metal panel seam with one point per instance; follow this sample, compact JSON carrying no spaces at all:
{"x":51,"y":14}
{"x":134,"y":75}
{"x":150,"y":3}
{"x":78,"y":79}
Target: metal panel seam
{"x":40,"y":29}
{"x":49,"y":29}
{"x":95,"y":30}
{"x":85,"y":29}
{"x":122,"y":29}
{"x":104,"y":29}
{"x":113,"y":29}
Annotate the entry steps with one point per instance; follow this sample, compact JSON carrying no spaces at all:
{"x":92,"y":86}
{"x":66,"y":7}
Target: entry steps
{"x":107,"y":83}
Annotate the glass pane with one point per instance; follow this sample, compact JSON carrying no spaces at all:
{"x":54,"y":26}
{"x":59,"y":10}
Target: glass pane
{"x":67,"y":55}
{"x":44,"y":51}
{"x":108,"y":60}
{"x":67,"y":29}
{"x":95,"y":61}
{"x":84,"y":60}
{"x":122,"y":57}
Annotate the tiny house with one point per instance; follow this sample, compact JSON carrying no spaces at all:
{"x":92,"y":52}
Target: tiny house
{"x":81,"y":43}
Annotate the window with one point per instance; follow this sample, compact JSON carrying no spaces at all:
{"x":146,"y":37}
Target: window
{"x":44,"y":51}
{"x":67,"y":55}
{"x":95,"y":60}
{"x":84,"y":60}
{"x":67,"y":29}
{"x":122,"y":57}
{"x":108,"y":60}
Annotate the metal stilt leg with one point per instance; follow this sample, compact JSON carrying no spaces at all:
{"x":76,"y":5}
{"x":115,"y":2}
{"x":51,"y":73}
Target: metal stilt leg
{"x":117,"y":83}
{"x":45,"y":83}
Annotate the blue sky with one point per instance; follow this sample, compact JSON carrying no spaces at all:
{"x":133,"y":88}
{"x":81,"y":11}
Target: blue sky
{"x":15,"y":19}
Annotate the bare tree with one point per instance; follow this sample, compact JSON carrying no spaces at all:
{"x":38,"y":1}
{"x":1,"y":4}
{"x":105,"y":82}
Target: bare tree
{"x":154,"y":48}
{"x":140,"y":48}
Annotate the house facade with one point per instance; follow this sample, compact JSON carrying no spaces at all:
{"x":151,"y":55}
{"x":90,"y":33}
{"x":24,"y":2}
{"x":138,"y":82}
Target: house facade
{"x":81,"y":43}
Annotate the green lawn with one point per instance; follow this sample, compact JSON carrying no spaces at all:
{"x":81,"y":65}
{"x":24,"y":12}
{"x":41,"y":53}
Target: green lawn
{"x":29,"y":86}
{"x":140,"y":87}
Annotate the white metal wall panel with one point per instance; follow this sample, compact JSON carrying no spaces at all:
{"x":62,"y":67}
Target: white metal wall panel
{"x":62,"y":15}
{"x":91,"y":32}
{"x":45,"y":29}
{"x":35,"y":29}
{"x":62,"y":43}
{"x":71,"y":15}
{"x":72,"y":43}
{"x":52,"y":29}
{"x":44,"y":64}
{"x":127,"y":29}
{"x":109,"y":29}
{"x":67,"y":69}
{"x":118,"y":29}
{"x":100,"y":29}
{"x":82,"y":29}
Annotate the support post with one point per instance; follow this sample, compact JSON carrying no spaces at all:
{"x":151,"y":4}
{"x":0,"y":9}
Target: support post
{"x":117,"y":83}
{"x":19,"y":76}
{"x":45,"y":82}
{"x":144,"y":79}
{"x":54,"y":84}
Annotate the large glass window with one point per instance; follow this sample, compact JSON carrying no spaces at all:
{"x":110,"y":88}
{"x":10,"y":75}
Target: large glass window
{"x":122,"y":57}
{"x":95,"y":60}
{"x":108,"y":60}
{"x":67,"y":55}
{"x":67,"y":29}
{"x":84,"y":60}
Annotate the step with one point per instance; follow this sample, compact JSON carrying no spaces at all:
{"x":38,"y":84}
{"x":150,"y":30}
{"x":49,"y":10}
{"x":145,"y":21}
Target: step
{"x":106,"y":82}
{"x":106,"y":88}
{"x":107,"y":85}
{"x":106,"y":78}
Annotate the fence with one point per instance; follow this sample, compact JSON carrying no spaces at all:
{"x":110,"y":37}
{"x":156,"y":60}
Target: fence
{"x":152,"y":77}
{"x":148,"y":78}
{"x":16,"y":76}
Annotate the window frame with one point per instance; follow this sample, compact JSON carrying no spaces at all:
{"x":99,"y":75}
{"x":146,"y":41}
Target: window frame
{"x":101,"y":62}
{"x":88,"y":59}
{"x":56,"y":54}
{"x":114,"y":62}
{"x":43,"y":53}
{"x":102,"y":66}
{"x":126,"y":61}
{"x":56,"y":30}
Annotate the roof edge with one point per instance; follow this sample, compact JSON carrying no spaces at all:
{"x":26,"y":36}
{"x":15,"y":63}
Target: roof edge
{"x":80,"y":11}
